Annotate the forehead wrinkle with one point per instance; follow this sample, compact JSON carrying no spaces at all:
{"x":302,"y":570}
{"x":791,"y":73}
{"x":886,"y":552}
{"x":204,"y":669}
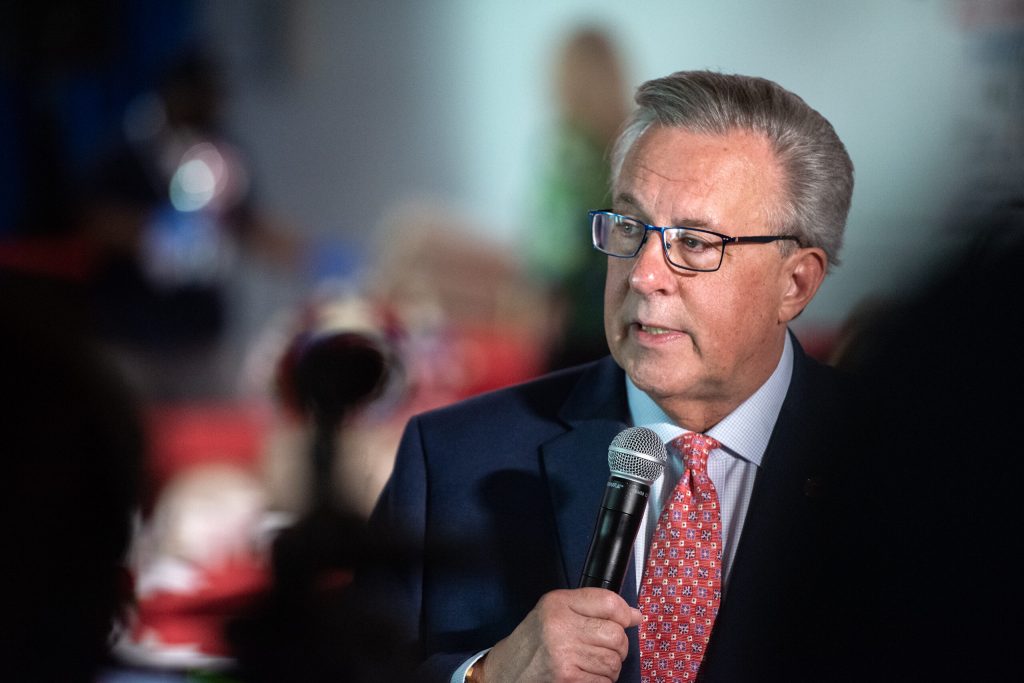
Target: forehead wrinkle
{"x":624,"y":201}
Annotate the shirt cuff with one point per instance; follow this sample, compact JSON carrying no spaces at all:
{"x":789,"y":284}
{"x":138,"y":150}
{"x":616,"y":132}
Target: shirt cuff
{"x":460,"y":674}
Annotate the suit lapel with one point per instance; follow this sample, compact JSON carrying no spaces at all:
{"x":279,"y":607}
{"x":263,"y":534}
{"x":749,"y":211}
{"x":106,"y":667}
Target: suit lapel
{"x":779,"y":531}
{"x":575,"y":465}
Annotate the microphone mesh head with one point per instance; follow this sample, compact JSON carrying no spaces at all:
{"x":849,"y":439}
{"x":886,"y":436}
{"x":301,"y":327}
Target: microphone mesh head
{"x":637,"y":453}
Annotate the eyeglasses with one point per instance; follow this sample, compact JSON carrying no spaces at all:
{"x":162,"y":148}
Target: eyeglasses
{"x":686,"y":248}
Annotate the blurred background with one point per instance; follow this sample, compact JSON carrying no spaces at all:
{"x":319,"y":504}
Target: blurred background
{"x":210,"y":194}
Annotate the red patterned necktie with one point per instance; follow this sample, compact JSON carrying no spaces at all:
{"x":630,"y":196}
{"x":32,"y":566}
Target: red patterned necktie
{"x":682,"y":582}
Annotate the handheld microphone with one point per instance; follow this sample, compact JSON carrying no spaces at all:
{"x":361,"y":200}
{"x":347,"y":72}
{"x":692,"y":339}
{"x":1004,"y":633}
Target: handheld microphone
{"x":636,"y":458}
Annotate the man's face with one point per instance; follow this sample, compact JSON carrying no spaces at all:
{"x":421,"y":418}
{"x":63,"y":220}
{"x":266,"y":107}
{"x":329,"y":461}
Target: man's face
{"x":699,"y":343}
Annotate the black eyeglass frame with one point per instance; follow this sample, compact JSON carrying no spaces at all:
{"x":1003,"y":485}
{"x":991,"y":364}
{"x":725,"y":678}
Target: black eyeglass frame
{"x":726,"y":239}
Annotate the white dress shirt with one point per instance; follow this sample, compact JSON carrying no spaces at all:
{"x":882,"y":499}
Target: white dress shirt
{"x":744,"y":435}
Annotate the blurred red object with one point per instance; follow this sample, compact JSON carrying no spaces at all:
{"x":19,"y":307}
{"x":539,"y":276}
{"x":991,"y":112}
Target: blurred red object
{"x":200,"y":433}
{"x":193,"y":620}
{"x":67,"y":258}
{"x":492,"y":358}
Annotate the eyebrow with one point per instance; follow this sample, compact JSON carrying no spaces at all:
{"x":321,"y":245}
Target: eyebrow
{"x":625,"y":198}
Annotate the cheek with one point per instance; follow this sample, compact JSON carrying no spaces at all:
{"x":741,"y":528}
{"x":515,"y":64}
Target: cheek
{"x":743,"y":317}
{"x":730,"y":315}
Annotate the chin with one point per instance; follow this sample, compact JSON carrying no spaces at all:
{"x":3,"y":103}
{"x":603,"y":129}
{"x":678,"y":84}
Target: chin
{"x":655,"y":376}
{"x":663,"y":388}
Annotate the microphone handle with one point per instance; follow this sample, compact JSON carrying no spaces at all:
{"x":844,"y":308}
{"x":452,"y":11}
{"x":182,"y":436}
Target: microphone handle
{"x":618,"y":522}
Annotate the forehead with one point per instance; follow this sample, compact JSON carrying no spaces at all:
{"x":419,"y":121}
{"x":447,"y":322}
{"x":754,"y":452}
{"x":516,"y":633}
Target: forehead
{"x":673,"y":176}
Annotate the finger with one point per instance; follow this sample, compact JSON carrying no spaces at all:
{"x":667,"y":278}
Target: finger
{"x":602,"y":604}
{"x":605,"y":634}
{"x":600,"y":662}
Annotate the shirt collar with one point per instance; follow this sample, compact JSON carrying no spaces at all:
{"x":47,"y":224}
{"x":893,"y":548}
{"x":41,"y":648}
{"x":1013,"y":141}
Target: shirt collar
{"x":745,"y":431}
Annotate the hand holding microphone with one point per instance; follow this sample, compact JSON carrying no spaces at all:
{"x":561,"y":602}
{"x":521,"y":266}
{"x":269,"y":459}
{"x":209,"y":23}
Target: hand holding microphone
{"x":583,"y":631}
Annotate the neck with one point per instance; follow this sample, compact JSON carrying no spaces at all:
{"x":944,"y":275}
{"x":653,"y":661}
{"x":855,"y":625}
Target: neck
{"x":698,"y":416}
{"x":701,"y":413}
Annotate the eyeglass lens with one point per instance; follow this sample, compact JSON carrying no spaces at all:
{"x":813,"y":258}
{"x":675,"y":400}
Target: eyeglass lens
{"x":686,"y":248}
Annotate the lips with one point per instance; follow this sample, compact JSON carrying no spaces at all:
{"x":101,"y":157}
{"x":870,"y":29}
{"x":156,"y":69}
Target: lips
{"x":653,"y":332}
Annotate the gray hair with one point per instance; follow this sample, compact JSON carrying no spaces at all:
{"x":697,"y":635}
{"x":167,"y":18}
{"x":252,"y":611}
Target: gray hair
{"x":819,"y":173}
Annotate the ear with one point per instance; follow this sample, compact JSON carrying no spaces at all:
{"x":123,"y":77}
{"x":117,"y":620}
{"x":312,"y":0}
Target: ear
{"x":802,"y":274}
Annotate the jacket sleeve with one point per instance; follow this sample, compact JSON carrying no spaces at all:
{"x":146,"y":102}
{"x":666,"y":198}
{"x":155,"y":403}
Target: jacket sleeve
{"x":400,"y":522}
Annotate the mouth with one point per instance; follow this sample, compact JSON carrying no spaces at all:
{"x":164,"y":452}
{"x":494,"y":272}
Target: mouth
{"x":654,"y":329}
{"x":652,"y":333}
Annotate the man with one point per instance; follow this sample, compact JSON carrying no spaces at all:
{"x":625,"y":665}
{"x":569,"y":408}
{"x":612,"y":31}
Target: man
{"x":730,"y":198}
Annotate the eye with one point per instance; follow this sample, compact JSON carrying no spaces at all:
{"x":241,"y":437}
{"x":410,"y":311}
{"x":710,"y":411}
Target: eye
{"x":693,"y":242}
{"x":627,"y":228}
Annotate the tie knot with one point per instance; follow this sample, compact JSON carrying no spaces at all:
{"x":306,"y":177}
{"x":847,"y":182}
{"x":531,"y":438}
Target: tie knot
{"x":695,"y":449}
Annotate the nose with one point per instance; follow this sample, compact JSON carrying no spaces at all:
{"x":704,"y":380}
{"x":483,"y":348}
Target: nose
{"x":651,"y":271}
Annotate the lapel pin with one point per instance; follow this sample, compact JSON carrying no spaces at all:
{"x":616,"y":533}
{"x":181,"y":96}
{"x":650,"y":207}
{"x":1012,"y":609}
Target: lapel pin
{"x":814,"y":487}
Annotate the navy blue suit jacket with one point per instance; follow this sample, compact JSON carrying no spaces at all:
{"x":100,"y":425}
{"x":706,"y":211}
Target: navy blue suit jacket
{"x":501,"y":494}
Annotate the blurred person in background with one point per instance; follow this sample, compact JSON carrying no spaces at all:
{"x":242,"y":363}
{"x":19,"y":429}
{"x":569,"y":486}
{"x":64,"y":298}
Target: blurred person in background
{"x":753,"y":188}
{"x":169,"y":211}
{"x":592,"y":100}
{"x":140,"y":248}
{"x":72,"y":444}
{"x":922,"y":554}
